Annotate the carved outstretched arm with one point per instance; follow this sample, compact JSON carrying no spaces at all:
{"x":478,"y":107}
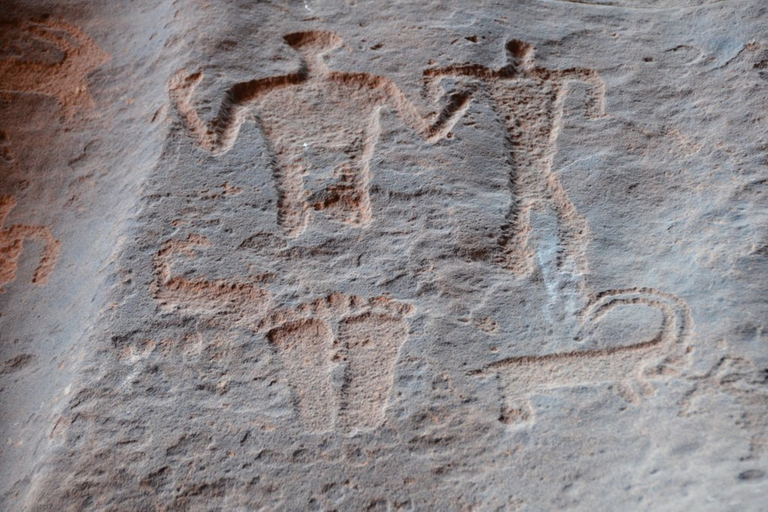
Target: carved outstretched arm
{"x":220,"y":135}
{"x":431,"y":128}
{"x":595,"y":107}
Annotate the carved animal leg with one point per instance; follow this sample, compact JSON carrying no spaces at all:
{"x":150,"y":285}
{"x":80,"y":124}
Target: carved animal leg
{"x":304,"y":347}
{"x":373,"y":342}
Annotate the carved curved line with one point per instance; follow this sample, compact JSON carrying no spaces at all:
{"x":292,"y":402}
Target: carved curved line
{"x":674,"y":329}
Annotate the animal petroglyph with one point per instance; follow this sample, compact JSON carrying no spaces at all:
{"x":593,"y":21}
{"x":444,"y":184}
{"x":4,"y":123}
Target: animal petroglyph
{"x":12,"y":246}
{"x":234,"y":302}
{"x":628,"y":366}
{"x":314,"y":120}
{"x":67,"y":79}
{"x":530,"y":100}
{"x":363,"y":350}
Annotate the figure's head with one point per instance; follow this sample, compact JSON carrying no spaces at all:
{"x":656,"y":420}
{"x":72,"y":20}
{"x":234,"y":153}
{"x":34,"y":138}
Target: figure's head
{"x":520,"y":54}
{"x":313,"y":42}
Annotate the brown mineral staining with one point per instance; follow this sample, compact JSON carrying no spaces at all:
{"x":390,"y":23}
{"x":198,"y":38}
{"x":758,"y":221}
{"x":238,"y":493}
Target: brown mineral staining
{"x":66,"y":80}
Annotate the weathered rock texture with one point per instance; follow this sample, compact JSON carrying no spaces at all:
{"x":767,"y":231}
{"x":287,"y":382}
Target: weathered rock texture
{"x":346,"y":255}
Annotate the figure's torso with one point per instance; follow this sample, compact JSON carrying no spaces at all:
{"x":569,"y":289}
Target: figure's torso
{"x":318,"y":122}
{"x":530,"y":108}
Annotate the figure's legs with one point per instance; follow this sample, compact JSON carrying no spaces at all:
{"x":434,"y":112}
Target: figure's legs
{"x":304,"y":347}
{"x":572,"y":228}
{"x":349,"y":200}
{"x":292,"y":209}
{"x":527,"y":190}
{"x":373,"y":342}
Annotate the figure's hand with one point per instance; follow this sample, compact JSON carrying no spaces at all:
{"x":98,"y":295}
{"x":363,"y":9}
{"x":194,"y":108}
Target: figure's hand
{"x":182,"y":85}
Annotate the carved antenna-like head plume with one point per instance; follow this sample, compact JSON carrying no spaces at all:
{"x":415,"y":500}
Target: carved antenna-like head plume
{"x":519,"y":54}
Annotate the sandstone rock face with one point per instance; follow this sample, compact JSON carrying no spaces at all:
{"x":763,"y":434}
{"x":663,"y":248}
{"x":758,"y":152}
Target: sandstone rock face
{"x":345,"y":255}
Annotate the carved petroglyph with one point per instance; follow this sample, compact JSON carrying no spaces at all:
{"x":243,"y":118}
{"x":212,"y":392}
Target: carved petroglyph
{"x":12,"y":246}
{"x":67,"y":79}
{"x":629,"y":367}
{"x":305,"y":347}
{"x":369,"y":334}
{"x":358,"y":337}
{"x":235,"y":303}
{"x":530,"y":101}
{"x":345,"y":109}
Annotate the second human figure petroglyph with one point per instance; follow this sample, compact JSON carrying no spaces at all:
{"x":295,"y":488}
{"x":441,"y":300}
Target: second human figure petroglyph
{"x":315,"y":120}
{"x":530,"y":101}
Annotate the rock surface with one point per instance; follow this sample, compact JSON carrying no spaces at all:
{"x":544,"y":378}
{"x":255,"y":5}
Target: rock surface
{"x":346,"y":255}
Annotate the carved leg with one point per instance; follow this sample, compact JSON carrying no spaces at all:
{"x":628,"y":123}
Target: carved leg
{"x":572,"y":228}
{"x":304,"y":347}
{"x":526,"y":188}
{"x":373,"y":342}
{"x":292,"y":209}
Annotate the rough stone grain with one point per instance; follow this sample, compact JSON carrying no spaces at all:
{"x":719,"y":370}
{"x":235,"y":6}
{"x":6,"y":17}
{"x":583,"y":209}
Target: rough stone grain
{"x":352,"y":255}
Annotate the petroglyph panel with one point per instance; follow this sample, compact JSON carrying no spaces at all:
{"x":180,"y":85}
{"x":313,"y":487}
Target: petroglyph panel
{"x":384,"y":257}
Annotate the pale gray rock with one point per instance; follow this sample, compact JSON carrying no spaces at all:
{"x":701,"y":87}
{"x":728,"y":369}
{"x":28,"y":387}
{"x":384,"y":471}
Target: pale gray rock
{"x":344,"y":255}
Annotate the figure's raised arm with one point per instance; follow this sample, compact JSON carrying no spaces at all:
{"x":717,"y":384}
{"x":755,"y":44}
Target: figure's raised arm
{"x":431,"y":127}
{"x":219,"y":136}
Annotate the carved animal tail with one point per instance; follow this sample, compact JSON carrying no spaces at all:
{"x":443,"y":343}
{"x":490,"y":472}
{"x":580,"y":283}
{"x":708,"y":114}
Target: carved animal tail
{"x":677,"y":320}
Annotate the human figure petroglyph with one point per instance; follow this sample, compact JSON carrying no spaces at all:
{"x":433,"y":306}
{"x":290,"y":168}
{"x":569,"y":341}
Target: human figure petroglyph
{"x":12,"y":246}
{"x":530,"y":100}
{"x":313,"y":117}
{"x":66,"y":80}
